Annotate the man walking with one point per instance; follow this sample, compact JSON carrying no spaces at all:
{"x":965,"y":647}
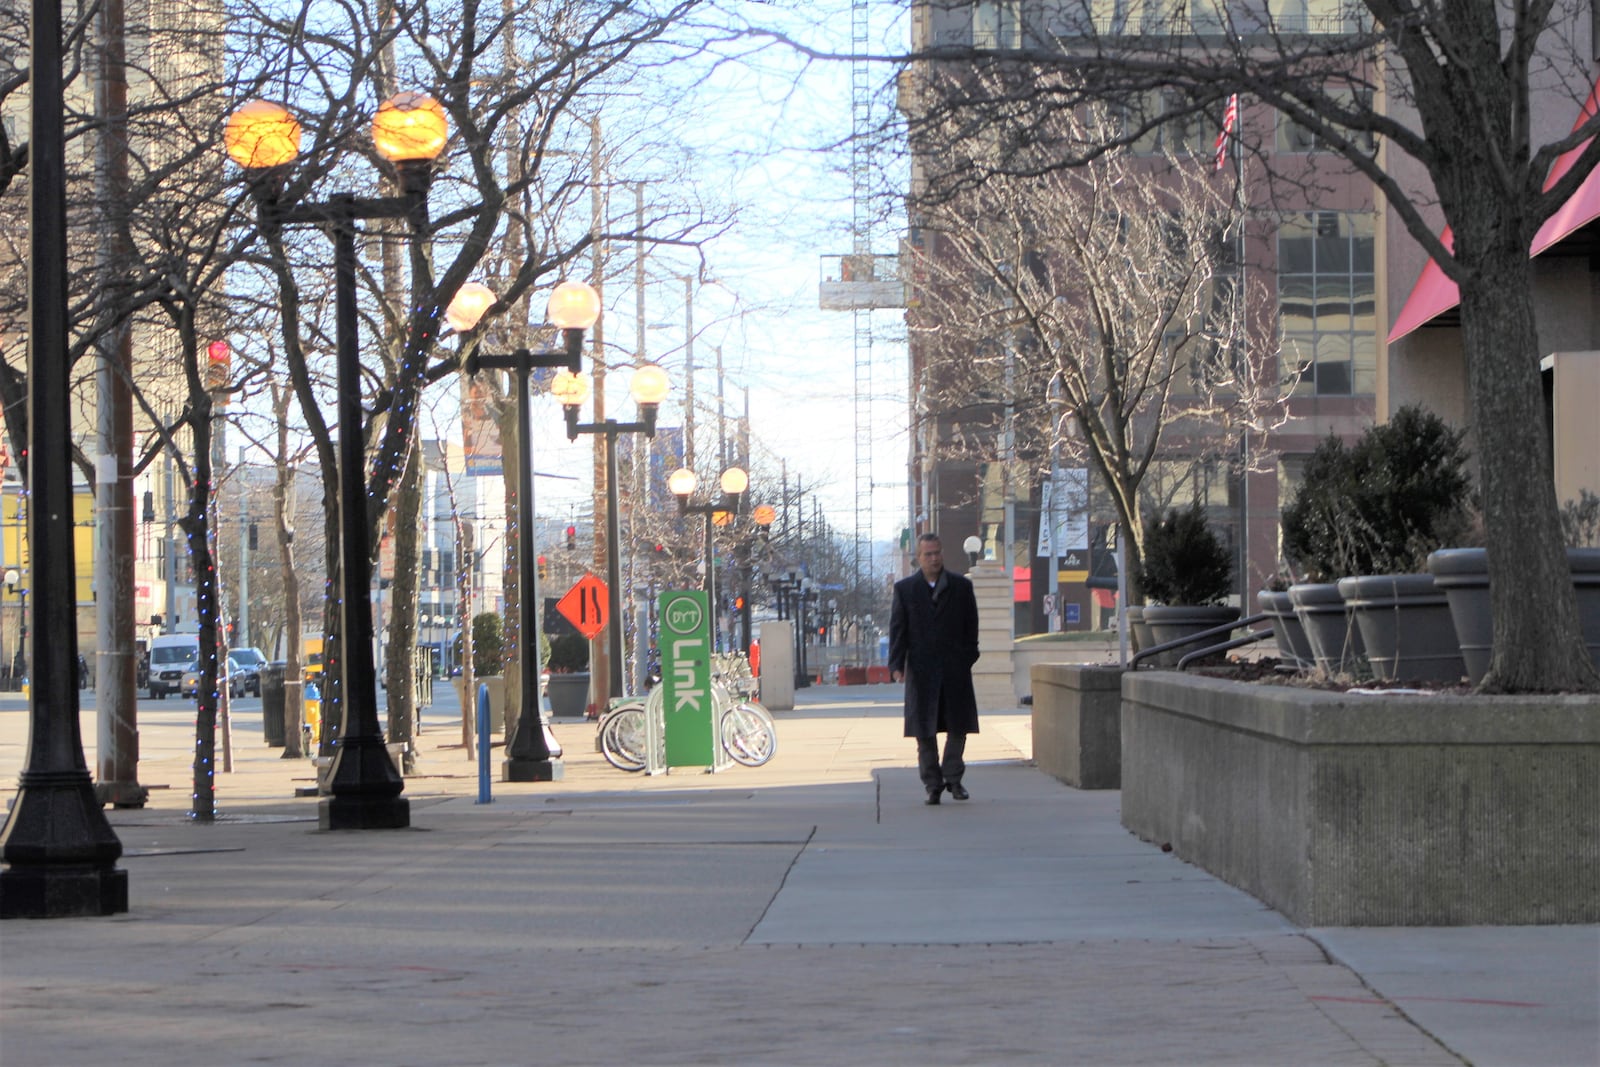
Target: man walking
{"x":933,"y":643}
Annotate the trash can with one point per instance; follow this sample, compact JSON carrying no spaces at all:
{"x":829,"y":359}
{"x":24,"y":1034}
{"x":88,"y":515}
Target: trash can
{"x":272,"y":704}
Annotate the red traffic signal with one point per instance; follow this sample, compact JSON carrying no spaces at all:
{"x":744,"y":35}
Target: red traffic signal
{"x":572,"y":537}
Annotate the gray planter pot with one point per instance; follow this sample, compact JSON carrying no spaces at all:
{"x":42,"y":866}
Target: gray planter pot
{"x":1142,"y":638}
{"x":1405,"y":627}
{"x":1335,"y":641}
{"x":1463,"y":574}
{"x":1169,"y":622}
{"x":1293,"y":645}
{"x":569,"y":694}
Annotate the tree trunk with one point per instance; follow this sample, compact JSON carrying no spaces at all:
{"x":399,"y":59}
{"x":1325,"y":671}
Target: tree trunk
{"x":1538,"y":643}
{"x":399,"y":670}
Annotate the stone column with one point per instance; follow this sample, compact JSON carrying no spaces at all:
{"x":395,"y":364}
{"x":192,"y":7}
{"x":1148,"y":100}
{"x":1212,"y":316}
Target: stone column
{"x":991,"y":678}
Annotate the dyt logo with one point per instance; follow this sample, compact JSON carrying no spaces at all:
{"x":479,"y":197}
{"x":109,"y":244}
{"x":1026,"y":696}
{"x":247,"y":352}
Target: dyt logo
{"x":683,"y":616}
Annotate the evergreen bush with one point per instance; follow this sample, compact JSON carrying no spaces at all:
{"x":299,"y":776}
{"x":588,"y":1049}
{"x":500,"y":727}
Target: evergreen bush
{"x":488,"y":644}
{"x":569,"y":652}
{"x":1182,"y":560}
{"x":1381,"y":505}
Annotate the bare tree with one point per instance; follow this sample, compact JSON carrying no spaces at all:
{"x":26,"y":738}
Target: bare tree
{"x":1112,"y":291}
{"x":1447,"y":91}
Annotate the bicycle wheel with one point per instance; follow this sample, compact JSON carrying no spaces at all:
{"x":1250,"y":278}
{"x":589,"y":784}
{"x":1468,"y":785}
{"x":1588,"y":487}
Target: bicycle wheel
{"x":747,"y":736}
{"x":622,"y":738}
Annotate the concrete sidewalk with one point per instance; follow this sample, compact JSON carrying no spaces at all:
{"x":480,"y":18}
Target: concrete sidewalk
{"x":812,"y":911}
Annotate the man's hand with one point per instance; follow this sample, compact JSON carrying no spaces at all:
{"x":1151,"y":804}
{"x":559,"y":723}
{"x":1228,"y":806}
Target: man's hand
{"x":898,"y":676}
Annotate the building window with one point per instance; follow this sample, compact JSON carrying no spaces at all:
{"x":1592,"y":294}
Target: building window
{"x":997,"y":24}
{"x":1292,"y":137}
{"x":1312,"y":16}
{"x":1326,"y":309}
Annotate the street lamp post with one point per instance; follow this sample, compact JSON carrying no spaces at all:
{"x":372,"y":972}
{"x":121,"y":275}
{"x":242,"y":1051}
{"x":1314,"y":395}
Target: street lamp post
{"x":409,"y":130}
{"x":59,"y":851}
{"x":532,"y":754}
{"x":649,"y":389}
{"x":734,"y":482}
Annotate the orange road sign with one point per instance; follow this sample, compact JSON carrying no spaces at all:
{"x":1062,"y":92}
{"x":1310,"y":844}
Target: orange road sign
{"x":586,"y":605}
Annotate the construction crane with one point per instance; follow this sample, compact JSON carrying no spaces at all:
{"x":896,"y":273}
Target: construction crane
{"x":859,"y":283}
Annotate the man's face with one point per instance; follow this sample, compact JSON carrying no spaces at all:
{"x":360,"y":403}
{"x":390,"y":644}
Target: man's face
{"x":930,"y":557}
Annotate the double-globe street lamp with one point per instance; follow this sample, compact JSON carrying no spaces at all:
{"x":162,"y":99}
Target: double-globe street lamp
{"x":532,"y":755}
{"x":409,"y":130}
{"x":649,"y":389}
{"x":734,"y":481}
{"x":59,"y":852}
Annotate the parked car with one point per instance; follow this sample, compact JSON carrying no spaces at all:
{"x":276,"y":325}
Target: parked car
{"x":240,"y":677}
{"x":245,"y":666}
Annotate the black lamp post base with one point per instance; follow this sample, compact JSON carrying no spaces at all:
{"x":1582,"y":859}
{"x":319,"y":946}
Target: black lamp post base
{"x":363,"y":813}
{"x":364,"y":789}
{"x":61,"y":853}
{"x":532,"y":770}
{"x":63,"y":892}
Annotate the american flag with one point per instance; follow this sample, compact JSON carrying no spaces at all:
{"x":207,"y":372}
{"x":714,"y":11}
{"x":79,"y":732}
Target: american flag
{"x":1230,"y":118}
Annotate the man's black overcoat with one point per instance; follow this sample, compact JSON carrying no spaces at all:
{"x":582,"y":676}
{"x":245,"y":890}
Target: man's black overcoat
{"x":935,"y":642}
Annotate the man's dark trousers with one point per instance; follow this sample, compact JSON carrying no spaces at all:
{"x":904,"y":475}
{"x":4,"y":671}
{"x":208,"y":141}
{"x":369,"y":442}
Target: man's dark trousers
{"x":934,"y":773}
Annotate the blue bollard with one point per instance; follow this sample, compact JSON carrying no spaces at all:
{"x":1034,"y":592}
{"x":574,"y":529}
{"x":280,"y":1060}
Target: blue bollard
{"x":483,"y":746}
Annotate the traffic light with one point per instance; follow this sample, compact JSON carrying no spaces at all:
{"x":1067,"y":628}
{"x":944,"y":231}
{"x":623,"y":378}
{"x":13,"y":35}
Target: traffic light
{"x":738,"y":603}
{"x":572,"y":538}
{"x":544,"y":571}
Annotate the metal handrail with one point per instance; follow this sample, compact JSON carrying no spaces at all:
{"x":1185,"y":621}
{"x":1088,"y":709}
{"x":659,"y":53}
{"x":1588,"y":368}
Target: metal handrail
{"x":1238,"y":642}
{"x":1180,"y":642}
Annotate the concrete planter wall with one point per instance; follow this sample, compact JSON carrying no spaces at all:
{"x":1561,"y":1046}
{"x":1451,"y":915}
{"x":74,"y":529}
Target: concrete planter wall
{"x":1463,"y":575}
{"x":1077,"y":724}
{"x":1371,"y":810}
{"x":1405,"y":627}
{"x":1335,"y":641}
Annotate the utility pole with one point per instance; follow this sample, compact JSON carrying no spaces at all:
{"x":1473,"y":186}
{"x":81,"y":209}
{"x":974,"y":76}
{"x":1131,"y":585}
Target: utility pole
{"x":688,"y":371}
{"x":116,"y":694}
{"x":246,"y":545}
{"x":600,"y":648}
{"x":722,"y":419}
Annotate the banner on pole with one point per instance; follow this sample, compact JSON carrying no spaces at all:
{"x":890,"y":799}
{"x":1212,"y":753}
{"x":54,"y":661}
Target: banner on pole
{"x":1064,"y":519}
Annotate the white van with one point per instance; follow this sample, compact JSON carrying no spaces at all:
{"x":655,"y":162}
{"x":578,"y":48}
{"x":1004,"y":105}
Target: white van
{"x":170,"y":656}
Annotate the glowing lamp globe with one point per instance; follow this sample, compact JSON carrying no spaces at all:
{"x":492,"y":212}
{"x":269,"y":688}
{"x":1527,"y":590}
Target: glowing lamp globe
{"x":682,"y":481}
{"x":410,"y":126}
{"x":764,"y":515}
{"x":260,"y":135}
{"x":735,"y":481}
{"x":649,"y":385}
{"x":468,"y":306}
{"x":569,"y":389}
{"x":573,"y":306}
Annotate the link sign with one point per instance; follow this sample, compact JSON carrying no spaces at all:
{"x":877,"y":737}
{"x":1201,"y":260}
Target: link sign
{"x":686,"y":678}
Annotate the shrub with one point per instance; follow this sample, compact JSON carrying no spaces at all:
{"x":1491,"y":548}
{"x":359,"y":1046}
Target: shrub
{"x":569,"y":652}
{"x":488,"y":644}
{"x":1381,"y":505}
{"x":1182,"y":560}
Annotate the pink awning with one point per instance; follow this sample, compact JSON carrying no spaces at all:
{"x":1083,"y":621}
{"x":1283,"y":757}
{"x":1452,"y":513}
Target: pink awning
{"x":1583,"y":206}
{"x":1432,"y":296}
{"x":1434,"y":293}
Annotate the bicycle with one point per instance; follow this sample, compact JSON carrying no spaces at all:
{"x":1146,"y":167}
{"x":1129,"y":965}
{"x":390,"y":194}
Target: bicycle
{"x":745,"y":729}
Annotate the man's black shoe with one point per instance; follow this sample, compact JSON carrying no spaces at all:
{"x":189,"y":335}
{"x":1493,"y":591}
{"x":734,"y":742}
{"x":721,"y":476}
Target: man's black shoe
{"x":957,"y":790}
{"x":933,"y":796}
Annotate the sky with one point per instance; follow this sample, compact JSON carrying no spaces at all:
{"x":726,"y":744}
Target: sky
{"x":796,"y":361}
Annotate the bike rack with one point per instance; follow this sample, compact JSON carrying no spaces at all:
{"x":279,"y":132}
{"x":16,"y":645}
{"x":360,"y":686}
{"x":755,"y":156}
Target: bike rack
{"x":1190,"y":639}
